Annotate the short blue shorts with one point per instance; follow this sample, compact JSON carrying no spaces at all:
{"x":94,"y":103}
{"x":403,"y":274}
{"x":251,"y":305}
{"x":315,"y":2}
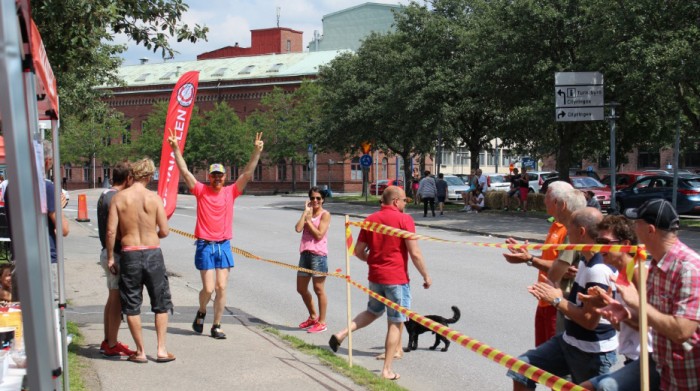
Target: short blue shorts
{"x":561,"y":359}
{"x":399,"y":294}
{"x":311,"y":261}
{"x":213,"y":255}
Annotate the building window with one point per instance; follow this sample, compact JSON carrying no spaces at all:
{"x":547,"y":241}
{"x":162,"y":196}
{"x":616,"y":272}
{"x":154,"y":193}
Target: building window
{"x":275,"y":68}
{"x":143,"y":77}
{"x":385,"y":169}
{"x":491,"y":159}
{"x":233,"y":173}
{"x":399,"y":162}
{"x":648,"y":159}
{"x":462,"y":157}
{"x":219,"y":72}
{"x":281,"y":170}
{"x":289,"y":46}
{"x":69,"y":171}
{"x":355,"y":169}
{"x":306,"y":172}
{"x":257,"y":175}
{"x":87,"y":172}
{"x":106,"y":172}
{"x":446,"y":157}
{"x":482,"y":158}
{"x":167,"y":76}
{"x":246,"y":70}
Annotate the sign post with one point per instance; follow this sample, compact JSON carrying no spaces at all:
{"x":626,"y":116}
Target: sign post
{"x":579,"y":96}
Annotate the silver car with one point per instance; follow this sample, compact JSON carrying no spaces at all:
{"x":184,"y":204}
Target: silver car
{"x":537,"y":178}
{"x":455,"y":188}
{"x":497,"y":182}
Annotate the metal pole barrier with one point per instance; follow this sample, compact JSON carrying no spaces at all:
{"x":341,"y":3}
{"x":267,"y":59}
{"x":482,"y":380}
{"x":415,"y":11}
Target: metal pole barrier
{"x":613,"y":165}
{"x":349,"y":304}
{"x":676,"y":152}
{"x":643,"y":327}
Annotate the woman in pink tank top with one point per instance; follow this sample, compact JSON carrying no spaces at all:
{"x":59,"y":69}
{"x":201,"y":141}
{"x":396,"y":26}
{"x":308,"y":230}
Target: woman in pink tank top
{"x":313,"y":225}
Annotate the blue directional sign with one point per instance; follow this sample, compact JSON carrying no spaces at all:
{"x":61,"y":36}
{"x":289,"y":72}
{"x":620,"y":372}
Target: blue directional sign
{"x":527,"y":162}
{"x":366,"y":161}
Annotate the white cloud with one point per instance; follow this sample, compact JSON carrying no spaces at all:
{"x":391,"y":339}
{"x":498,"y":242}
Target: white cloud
{"x":231,"y":21}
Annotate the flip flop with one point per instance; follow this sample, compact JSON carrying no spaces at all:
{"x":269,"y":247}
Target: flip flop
{"x":396,"y":377}
{"x":334,"y":343}
{"x":170,"y":357}
{"x":136,"y":359}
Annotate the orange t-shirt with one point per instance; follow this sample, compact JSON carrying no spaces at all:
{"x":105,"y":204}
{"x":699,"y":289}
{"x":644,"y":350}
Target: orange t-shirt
{"x":557,"y":235}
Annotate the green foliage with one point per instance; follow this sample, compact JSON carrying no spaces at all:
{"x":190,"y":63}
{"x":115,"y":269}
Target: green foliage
{"x":218,"y":136}
{"x":98,"y":136}
{"x":150,"y":142}
{"x":78,"y":36}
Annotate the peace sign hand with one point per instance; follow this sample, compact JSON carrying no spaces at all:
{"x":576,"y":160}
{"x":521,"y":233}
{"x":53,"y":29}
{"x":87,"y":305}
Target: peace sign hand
{"x":259,"y":144}
{"x":172,"y":140}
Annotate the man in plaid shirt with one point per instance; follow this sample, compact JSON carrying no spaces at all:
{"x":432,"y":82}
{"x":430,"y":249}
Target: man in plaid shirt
{"x":673,"y":292}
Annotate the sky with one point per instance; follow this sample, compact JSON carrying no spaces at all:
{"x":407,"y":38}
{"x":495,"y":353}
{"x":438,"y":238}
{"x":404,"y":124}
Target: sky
{"x":230,"y":21}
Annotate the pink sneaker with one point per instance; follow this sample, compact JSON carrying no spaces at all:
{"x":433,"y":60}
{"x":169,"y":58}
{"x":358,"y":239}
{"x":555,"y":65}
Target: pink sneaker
{"x":308,"y":323}
{"x":317,"y":328}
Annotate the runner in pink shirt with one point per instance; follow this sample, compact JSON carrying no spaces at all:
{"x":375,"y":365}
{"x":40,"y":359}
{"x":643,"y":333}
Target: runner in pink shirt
{"x":214,"y":230}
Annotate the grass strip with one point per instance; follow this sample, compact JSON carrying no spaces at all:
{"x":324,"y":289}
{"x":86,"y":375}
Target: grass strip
{"x":360,"y":375}
{"x":77,"y":365}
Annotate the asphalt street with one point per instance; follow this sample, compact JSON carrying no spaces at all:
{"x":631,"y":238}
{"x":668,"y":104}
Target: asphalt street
{"x":496,"y":309}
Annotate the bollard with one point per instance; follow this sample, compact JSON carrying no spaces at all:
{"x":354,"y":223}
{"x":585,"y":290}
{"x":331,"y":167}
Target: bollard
{"x":82,"y":208}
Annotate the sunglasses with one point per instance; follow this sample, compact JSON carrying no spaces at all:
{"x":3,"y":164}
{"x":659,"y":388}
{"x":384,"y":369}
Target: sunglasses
{"x":402,"y":199}
{"x":605,"y":241}
{"x":316,"y":198}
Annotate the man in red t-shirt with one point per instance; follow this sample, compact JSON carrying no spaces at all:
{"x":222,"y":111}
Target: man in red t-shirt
{"x":214,"y":230}
{"x":387,"y":258}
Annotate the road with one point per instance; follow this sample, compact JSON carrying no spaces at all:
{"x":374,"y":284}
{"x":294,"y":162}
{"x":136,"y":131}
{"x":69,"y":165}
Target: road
{"x":496,"y":309}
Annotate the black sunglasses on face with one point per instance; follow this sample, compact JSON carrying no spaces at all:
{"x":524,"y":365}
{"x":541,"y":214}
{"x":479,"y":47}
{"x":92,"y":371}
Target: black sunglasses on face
{"x":316,"y":198}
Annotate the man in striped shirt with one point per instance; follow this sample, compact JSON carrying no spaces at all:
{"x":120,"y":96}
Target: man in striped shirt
{"x":587,"y":346}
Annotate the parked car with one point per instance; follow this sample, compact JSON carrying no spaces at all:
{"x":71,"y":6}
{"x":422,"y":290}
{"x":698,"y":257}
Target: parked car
{"x":601,"y":191}
{"x":497,"y":182}
{"x":455,"y":187}
{"x":661,"y":186}
{"x":537,"y":178}
{"x":624,"y":179}
{"x":379,"y":186}
{"x":463,"y":177}
{"x":591,"y":174}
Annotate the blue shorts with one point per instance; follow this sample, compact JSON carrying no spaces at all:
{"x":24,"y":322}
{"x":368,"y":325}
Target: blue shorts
{"x":213,"y":255}
{"x":399,"y":294}
{"x":561,"y":359}
{"x":311,"y":261}
{"x":627,"y":378}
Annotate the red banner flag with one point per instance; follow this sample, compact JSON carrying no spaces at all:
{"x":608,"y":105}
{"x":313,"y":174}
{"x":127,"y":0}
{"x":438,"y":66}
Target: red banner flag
{"x":178,"y":119}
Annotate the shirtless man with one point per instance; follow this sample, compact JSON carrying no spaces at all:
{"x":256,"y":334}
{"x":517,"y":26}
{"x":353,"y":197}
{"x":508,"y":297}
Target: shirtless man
{"x":138,"y":216}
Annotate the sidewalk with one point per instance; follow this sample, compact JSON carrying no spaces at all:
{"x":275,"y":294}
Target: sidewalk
{"x":249,"y":359}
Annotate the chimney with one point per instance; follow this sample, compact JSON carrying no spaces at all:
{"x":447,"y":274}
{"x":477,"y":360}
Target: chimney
{"x":144,"y":60}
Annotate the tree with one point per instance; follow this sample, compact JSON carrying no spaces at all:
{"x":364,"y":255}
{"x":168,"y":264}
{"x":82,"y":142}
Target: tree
{"x":77,"y":35}
{"x":288,"y":120}
{"x":377,"y":95}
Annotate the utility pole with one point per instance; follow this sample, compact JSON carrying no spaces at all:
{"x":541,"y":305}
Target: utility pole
{"x":613,"y":166}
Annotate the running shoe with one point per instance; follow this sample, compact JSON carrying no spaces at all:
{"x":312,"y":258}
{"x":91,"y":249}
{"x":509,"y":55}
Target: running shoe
{"x":118,"y":350}
{"x":317,"y":328}
{"x":216,"y":332}
{"x":198,"y":324}
{"x":308,"y":323}
{"x":103,"y":346}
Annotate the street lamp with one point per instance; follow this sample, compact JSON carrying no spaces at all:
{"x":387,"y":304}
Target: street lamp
{"x":330,"y":162}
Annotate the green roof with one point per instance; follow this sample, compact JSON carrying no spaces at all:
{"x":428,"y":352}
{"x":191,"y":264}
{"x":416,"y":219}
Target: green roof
{"x":236,"y":68}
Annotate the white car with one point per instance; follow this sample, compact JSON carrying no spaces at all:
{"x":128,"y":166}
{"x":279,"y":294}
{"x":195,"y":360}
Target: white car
{"x":455,"y":188}
{"x":537,"y":178}
{"x":497,"y":182}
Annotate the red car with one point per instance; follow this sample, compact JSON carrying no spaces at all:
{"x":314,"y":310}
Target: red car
{"x":601,"y":191}
{"x":624,"y":179}
{"x":379,"y":186}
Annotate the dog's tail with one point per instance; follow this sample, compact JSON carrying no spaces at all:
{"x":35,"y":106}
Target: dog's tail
{"x":457,"y":314}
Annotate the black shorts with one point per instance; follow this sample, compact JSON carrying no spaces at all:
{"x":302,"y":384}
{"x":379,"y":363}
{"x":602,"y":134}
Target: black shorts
{"x":143,"y":267}
{"x":441,"y":198}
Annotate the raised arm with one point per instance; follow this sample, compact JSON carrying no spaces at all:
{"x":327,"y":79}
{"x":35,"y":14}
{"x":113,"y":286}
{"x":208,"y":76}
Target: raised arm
{"x":190,"y":180}
{"x":249,"y":169}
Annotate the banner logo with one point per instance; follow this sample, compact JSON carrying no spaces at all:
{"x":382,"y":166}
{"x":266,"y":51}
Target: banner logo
{"x":186,"y":94}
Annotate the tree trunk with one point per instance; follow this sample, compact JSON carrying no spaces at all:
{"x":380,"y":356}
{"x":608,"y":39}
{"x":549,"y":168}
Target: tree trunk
{"x":567,"y":133}
{"x":408,"y":174}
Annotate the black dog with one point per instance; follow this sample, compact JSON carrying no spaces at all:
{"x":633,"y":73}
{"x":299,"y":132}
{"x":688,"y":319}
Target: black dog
{"x":415,"y":329}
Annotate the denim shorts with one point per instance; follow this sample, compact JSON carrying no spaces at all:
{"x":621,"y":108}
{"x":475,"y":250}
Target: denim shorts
{"x":627,"y":378}
{"x":311,"y":261}
{"x":399,"y":294}
{"x":213,"y":255}
{"x":561,"y":359}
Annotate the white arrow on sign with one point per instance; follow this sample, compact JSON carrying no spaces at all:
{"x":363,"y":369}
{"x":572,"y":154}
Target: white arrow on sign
{"x":578,"y":96}
{"x":575,"y":114}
